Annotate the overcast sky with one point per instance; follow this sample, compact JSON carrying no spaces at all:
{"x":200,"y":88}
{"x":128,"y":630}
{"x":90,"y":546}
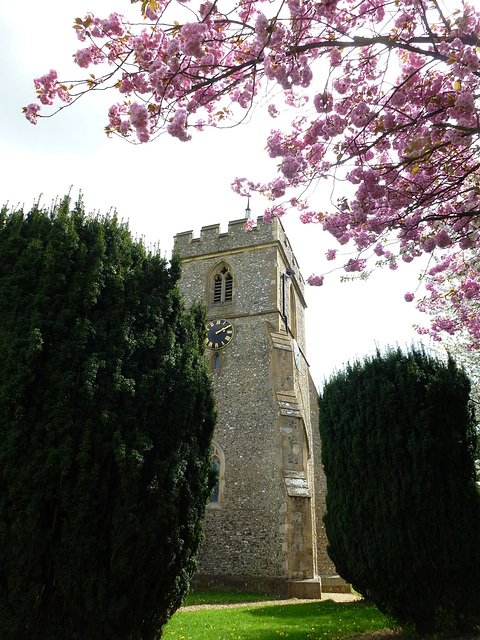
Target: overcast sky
{"x":170,"y":186}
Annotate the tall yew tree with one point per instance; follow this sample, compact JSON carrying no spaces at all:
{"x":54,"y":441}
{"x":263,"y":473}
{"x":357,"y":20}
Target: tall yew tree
{"x":403,"y":511}
{"x":106,"y":416}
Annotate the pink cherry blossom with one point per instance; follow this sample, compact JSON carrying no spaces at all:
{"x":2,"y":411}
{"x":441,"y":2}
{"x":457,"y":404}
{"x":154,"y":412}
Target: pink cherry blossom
{"x":331,"y":254}
{"x":31,"y":112}
{"x":315,"y":281}
{"x":273,"y":111}
{"x":384,"y":101}
{"x":47,"y":87}
{"x":308,"y":217}
{"x":139,"y":121}
{"x":90,"y":55}
{"x":355,"y":264}
{"x":178,"y":126}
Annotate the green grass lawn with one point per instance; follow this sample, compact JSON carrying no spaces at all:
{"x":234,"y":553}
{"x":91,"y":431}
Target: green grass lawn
{"x":325,"y":620}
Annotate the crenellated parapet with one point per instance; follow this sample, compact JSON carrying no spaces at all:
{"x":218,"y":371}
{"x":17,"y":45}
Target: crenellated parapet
{"x":213,"y":242}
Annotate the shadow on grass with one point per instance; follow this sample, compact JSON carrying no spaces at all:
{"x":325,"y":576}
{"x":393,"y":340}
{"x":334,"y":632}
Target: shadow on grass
{"x":314,"y":609}
{"x":325,"y":620}
{"x":314,"y":620}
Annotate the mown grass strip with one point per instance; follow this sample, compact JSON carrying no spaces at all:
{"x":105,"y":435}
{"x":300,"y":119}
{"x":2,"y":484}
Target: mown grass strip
{"x":324,"y":620}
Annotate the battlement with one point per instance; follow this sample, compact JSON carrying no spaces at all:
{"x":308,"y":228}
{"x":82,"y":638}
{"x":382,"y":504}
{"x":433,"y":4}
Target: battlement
{"x":211,"y":241}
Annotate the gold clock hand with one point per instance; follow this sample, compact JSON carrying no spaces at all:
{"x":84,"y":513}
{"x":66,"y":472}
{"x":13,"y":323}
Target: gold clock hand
{"x":221,"y":330}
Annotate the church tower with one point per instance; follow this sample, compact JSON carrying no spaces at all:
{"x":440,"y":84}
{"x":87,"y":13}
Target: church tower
{"x":263,"y":528}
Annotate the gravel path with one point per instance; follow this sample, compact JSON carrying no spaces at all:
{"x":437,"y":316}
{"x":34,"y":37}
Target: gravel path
{"x":336,"y":597}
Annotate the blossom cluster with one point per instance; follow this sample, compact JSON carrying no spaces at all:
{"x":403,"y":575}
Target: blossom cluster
{"x":453,"y":298}
{"x":383,"y":94}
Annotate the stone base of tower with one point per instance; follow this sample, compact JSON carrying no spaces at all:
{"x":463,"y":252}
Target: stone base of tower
{"x":313,"y":589}
{"x":305,"y":589}
{"x":278,"y":587}
{"x":334,"y":584}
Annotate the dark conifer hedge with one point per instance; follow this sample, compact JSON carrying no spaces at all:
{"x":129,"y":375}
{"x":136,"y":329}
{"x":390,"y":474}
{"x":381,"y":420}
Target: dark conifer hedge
{"x":106,"y":416}
{"x":403,"y":510}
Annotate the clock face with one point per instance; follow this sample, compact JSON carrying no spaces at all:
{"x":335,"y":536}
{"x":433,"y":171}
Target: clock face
{"x":219,"y":334}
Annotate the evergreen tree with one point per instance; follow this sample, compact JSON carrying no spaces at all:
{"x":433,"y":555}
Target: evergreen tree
{"x":403,"y":511}
{"x":106,"y":417}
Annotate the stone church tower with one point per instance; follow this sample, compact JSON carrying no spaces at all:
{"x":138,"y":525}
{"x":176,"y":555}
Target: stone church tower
{"x":263,"y":528}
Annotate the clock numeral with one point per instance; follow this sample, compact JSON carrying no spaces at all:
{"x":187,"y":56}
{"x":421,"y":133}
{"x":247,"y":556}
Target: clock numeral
{"x":228,"y":338}
{"x":209,"y":344}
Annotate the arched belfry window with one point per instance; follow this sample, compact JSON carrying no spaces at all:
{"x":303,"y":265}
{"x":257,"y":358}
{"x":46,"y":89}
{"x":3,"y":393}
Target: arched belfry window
{"x":222,"y":284}
{"x":218,"y":463}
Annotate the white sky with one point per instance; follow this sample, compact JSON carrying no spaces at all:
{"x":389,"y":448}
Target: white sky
{"x":168,"y":186}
